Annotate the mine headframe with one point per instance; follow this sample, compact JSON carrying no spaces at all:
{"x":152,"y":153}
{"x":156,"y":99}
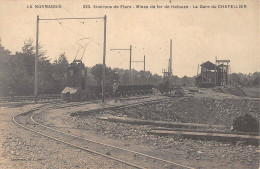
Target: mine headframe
{"x":224,"y":71}
{"x":214,"y":74}
{"x":167,"y":73}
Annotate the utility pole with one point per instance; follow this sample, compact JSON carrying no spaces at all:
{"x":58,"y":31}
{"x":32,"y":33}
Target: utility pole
{"x":104,"y":61}
{"x":230,"y":76}
{"x":130,"y":68}
{"x":144,"y":63}
{"x":216,"y":72}
{"x":36,"y":62}
{"x":170,"y":67}
{"x":202,"y":73}
{"x":144,"y":71}
{"x":37,"y":48}
{"x":198,"y":70}
{"x":170,"y":64}
{"x":130,"y":61}
{"x":141,"y":61}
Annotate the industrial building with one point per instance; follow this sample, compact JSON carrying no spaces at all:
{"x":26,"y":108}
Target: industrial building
{"x":214,"y":74}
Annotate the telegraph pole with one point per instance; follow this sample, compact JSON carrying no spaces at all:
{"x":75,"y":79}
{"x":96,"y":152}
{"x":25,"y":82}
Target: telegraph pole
{"x":104,"y":61}
{"x":216,"y":72}
{"x":130,"y":68}
{"x":130,"y":61}
{"x":37,"y":48}
{"x":230,"y":75}
{"x":144,"y":62}
{"x":141,"y":61}
{"x":36,"y":62}
{"x":170,"y":64}
{"x":198,"y":70}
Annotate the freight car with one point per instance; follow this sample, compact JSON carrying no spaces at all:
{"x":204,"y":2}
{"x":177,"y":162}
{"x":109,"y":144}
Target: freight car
{"x":164,"y":87}
{"x":77,"y":88}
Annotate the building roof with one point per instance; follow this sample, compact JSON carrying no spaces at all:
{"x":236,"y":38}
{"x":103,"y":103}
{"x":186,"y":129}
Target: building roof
{"x":70,"y":90}
{"x":209,"y":65}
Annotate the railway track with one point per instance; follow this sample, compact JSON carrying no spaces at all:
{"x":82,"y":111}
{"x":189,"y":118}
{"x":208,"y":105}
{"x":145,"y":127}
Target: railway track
{"x":128,"y":157}
{"x":123,"y":106}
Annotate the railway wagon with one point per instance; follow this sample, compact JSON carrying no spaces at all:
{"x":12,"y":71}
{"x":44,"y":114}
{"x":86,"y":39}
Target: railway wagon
{"x":122,"y":91}
{"x":77,"y":88}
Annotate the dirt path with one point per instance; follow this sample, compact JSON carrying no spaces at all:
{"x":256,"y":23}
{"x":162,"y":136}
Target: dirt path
{"x":24,"y":149}
{"x":194,"y":153}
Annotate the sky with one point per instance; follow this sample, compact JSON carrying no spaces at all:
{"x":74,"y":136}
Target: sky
{"x":198,"y":34}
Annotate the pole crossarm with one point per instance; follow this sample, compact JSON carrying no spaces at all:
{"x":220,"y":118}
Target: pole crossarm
{"x":37,"y":47}
{"x":71,"y":18}
{"x":218,"y":61}
{"x":137,"y":61}
{"x":130,"y":60}
{"x":120,"y":49}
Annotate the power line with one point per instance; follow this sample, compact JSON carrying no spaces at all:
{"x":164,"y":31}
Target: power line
{"x":66,"y":26}
{"x":65,"y":9}
{"x":130,"y":61}
{"x":37,"y":56}
{"x":51,"y":19}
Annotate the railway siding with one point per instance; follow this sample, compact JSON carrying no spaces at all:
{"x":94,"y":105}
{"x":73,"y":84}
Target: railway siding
{"x":30,"y":124}
{"x":208,"y":154}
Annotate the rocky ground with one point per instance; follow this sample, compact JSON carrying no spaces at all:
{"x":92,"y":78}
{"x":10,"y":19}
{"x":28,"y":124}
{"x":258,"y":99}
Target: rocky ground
{"x":206,"y":106}
{"x":24,"y":149}
{"x":196,"y":110}
{"x":21,"y":149}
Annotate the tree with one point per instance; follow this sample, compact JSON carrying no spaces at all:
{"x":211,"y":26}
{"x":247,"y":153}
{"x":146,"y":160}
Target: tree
{"x":18,"y":70}
{"x":59,"y":67}
{"x":256,"y":81}
{"x":5,"y":58}
{"x":235,"y":78}
{"x":97,"y":73}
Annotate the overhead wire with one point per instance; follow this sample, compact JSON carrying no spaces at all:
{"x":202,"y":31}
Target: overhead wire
{"x":65,"y":9}
{"x":75,"y":32}
{"x":82,"y":46}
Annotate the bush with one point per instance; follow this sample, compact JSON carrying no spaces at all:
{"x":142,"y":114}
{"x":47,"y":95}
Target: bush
{"x":246,"y":123}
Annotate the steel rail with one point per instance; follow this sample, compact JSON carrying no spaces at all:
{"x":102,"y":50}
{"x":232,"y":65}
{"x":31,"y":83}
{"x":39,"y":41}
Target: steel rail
{"x":119,"y":148}
{"x":82,"y":138}
{"x":73,"y":145}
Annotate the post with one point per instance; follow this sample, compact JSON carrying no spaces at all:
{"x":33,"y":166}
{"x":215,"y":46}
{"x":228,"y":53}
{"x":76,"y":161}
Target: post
{"x":226,"y":74}
{"x":230,"y":76}
{"x":130,"y":69}
{"x":202,"y":73}
{"x":104,"y":61}
{"x":145,"y":72}
{"x":36,"y":62}
{"x":144,"y":63}
{"x":170,"y":57}
{"x":198,"y":70}
{"x":216,"y":72}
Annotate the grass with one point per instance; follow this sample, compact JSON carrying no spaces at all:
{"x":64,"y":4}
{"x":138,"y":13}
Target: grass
{"x":252,"y":91}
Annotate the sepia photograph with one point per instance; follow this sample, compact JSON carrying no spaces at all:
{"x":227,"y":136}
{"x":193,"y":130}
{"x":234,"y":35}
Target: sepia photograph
{"x":122,"y":84}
